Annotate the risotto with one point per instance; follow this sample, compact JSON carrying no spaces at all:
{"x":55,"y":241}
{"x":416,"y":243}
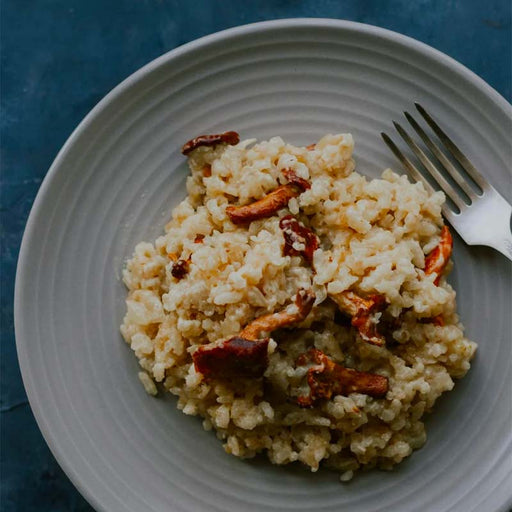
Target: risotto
{"x":299,"y":308}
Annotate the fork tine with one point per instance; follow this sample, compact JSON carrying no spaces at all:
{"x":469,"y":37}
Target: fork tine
{"x":431,"y":168}
{"x":416,"y":175}
{"x":449,"y":167}
{"x":454,"y":150}
{"x":407,"y":163}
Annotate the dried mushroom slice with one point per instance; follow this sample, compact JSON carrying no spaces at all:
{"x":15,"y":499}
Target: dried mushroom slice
{"x":231,"y":138}
{"x":271,"y":203}
{"x":293,"y":314}
{"x":245,"y":355}
{"x":438,"y":258}
{"x":437,"y":320}
{"x":364,"y":313}
{"x":327,"y":379}
{"x":293,"y":179}
{"x":263,"y":208}
{"x":235,"y":357}
{"x":298,"y":239}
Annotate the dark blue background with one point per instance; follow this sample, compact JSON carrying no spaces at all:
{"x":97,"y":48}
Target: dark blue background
{"x":60,"y":57}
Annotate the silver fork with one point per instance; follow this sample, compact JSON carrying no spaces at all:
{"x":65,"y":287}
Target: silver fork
{"x":485,"y":219}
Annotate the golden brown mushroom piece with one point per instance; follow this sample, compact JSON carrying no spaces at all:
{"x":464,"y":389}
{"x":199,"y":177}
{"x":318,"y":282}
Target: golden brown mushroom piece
{"x":293,"y":314}
{"x":234,"y":357}
{"x":438,"y":258}
{"x":271,"y":203}
{"x":231,"y":138}
{"x":363,"y":314}
{"x":293,"y":179}
{"x":436,"y":262}
{"x":437,"y":320}
{"x":296,"y":234}
{"x":327,"y":379}
{"x":245,"y":355}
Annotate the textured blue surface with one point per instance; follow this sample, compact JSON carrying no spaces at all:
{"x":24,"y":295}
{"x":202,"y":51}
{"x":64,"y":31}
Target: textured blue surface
{"x":60,"y":57}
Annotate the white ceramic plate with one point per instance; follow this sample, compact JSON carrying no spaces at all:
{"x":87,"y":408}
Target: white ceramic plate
{"x":114,"y":183}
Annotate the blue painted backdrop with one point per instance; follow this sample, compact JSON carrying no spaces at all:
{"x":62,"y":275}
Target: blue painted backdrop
{"x":60,"y":57}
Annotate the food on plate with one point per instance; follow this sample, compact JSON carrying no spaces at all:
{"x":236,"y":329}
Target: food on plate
{"x":301,"y":309}
{"x":271,"y":203}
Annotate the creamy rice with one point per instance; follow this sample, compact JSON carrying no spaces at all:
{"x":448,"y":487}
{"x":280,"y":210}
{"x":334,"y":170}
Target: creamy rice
{"x":374,"y":237}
